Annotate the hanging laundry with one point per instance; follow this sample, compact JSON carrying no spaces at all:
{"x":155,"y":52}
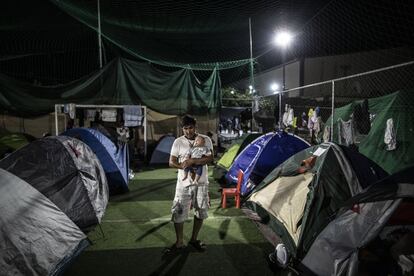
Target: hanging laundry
{"x":310,"y":115}
{"x":109,"y":115}
{"x":317,"y":126}
{"x":70,"y":109}
{"x":390,"y":139}
{"x":285,"y":116}
{"x":90,"y":114}
{"x":326,"y":134}
{"x":304,"y":123}
{"x":133,"y":115}
{"x":345,"y":132}
{"x":289,"y":121}
{"x":295,"y":120}
{"x":362,"y":117}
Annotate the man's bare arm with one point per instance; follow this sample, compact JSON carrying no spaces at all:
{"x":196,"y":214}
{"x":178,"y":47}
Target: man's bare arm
{"x":198,"y":161}
{"x":173,"y":162}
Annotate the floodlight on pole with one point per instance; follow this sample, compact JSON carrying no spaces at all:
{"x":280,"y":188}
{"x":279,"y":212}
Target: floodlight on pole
{"x":283,"y":39}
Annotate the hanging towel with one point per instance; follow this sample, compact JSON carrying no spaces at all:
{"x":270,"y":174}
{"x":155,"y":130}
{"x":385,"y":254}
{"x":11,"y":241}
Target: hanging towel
{"x":109,"y":115}
{"x":90,"y":114}
{"x":133,"y":115}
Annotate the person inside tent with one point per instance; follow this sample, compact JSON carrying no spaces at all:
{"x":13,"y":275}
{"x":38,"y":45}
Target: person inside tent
{"x":187,"y":194}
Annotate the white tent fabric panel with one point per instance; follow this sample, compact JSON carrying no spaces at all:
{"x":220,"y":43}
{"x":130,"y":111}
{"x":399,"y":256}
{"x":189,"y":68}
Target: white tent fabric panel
{"x":285,"y":199}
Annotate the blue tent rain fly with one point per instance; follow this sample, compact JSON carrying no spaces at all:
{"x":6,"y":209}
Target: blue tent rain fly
{"x":264,"y":154}
{"x":114,"y":158}
{"x":161,"y":154}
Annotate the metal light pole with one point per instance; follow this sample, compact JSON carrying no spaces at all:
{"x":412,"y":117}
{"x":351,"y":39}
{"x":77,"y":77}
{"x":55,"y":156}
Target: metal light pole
{"x":275,"y":88}
{"x":283,"y":89}
{"x":251,"y":86}
{"x":282,"y":39}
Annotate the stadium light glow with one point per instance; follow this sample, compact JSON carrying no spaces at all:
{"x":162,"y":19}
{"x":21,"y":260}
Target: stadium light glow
{"x":283,"y":39}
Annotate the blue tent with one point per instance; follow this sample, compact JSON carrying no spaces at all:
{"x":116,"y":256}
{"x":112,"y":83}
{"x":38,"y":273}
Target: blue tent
{"x":261,"y":156}
{"x":161,"y":154}
{"x":114,"y":158}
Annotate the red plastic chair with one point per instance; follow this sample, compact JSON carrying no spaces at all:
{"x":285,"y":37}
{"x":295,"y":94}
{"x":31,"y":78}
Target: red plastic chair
{"x":232,"y":192}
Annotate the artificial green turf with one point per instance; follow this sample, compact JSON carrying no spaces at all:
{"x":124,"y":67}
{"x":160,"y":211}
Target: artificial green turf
{"x":136,"y":228}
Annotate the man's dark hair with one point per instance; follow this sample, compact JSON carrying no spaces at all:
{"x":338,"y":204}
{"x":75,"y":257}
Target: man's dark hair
{"x":187,"y":120}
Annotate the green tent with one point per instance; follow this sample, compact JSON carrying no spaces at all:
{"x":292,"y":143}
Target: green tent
{"x":12,"y":142}
{"x":225,"y":162}
{"x":397,"y":106}
{"x":295,"y":202}
{"x":237,"y":146}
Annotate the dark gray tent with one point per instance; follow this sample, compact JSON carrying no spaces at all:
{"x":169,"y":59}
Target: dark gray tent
{"x":36,"y":237}
{"x":66,"y":171}
{"x":384,"y":207}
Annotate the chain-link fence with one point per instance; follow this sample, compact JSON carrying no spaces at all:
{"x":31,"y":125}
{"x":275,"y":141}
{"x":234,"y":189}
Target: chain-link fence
{"x":371,"y":111}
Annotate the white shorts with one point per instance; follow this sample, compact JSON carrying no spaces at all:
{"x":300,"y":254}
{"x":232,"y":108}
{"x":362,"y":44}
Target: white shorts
{"x":187,"y":197}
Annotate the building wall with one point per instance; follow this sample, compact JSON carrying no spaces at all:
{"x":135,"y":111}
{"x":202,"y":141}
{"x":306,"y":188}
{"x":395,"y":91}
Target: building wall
{"x":325,"y":68}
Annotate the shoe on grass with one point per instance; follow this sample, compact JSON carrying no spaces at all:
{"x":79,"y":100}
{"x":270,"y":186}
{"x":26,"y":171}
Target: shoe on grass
{"x":174,"y":249}
{"x":199,"y":245}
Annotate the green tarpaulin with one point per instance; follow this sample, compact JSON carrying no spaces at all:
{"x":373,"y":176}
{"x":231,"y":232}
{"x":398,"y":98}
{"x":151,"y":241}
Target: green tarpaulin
{"x":120,"y":82}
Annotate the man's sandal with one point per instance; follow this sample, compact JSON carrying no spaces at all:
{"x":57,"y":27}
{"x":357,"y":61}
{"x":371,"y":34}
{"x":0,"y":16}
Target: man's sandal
{"x":173,"y":249}
{"x":199,"y":245}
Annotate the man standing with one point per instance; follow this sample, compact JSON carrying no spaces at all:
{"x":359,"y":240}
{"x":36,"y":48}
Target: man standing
{"x":189,"y":195}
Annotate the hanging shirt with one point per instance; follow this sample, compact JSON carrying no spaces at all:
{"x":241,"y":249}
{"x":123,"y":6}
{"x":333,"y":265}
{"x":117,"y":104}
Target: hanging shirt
{"x":345,"y":132}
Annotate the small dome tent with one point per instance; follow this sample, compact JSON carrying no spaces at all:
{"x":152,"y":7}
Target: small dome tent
{"x":296,"y":201}
{"x":161,"y":153}
{"x":261,"y":156}
{"x":114,"y":158}
{"x":225,"y":162}
{"x":37,"y":238}
{"x":67,"y":172}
